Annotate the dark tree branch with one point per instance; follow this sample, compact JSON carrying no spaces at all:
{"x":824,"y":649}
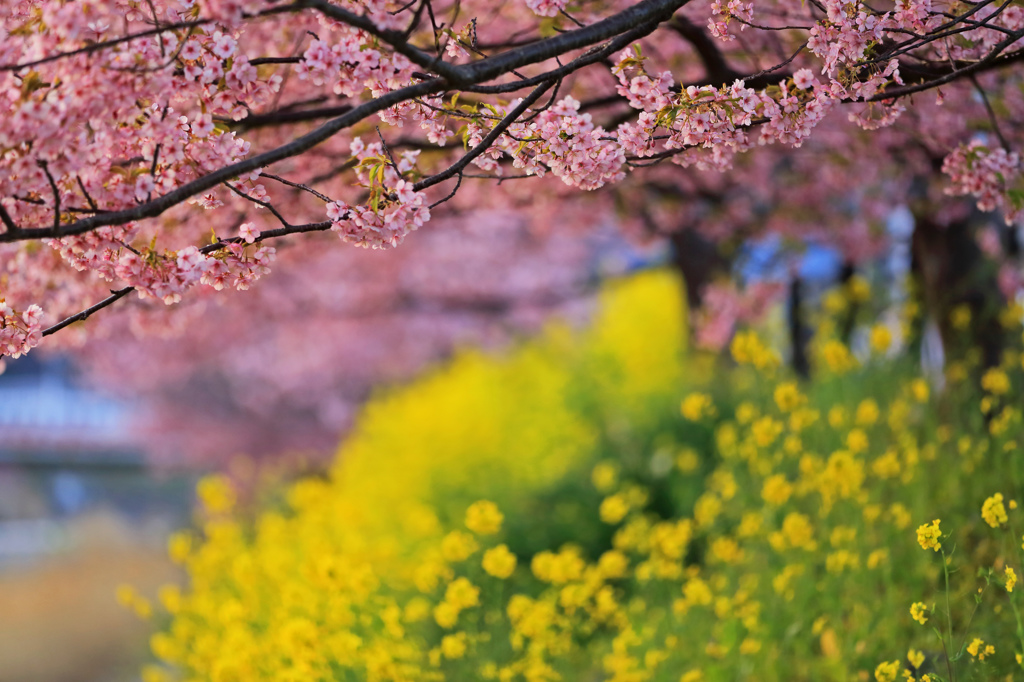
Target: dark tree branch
{"x":78,"y":317}
{"x":281,"y":117}
{"x":9,"y":223}
{"x":715,"y":65}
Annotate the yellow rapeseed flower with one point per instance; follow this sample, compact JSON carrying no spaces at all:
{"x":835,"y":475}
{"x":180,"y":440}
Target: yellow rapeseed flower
{"x":604,"y":476}
{"x":454,"y":646}
{"x":216,"y":494}
{"x":995,"y":381}
{"x":928,"y":535}
{"x":446,"y":615}
{"x":613,"y":564}
{"x":802,"y":418}
{"x":765,"y":430}
{"x":960,"y":317}
{"x":880,"y":338}
{"x":916,"y":658}
{"x":857,"y":441}
{"x":838,"y":357}
{"x":834,"y":302}
{"x":726,"y":550}
{"x":696,"y":406}
{"x":484,"y":518}
{"x":920,"y":390}
{"x":750,"y":646}
{"x":788,"y":396}
{"x":499,"y":562}
{"x":565,"y":566}
{"x":179,"y":546}
{"x":858,"y":289}
{"x":746,"y":412}
{"x":170,"y":598}
{"x":750,"y":525}
{"x":696,"y":592}
{"x":1011,"y":579}
{"x":919,"y":612}
{"x":687,"y":460}
{"x":887,"y":672}
{"x":887,"y":465}
{"x":776,"y":490}
{"x":993,"y":511}
{"x":614,"y":508}
{"x":458,"y":546}
{"x":979,"y":650}
{"x":798,"y":531}
{"x":462,"y":594}
{"x":867,"y":412}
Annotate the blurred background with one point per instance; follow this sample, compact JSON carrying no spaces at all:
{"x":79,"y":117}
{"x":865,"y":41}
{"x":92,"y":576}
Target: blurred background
{"x":81,"y":512}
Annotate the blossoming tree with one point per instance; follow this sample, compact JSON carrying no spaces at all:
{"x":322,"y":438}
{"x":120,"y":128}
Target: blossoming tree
{"x":171,"y":145}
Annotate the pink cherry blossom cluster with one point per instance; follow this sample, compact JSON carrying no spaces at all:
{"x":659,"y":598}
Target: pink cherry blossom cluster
{"x":353,"y":64}
{"x":19,"y":332}
{"x":983,"y":38}
{"x":165,"y":276}
{"x":427,"y":112}
{"x":562,"y":140}
{"x":235,"y":265}
{"x":712,"y":123}
{"x":718,"y":24}
{"x":546,"y":8}
{"x":98,"y":251}
{"x":844,"y":36}
{"x":122,"y":125}
{"x":397,"y":208}
{"x":992,"y":176}
{"x":160,"y":276}
{"x":643,"y":92}
{"x":850,"y":29}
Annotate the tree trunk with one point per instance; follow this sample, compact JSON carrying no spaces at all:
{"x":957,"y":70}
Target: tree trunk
{"x":797,"y":330}
{"x":950,"y":270}
{"x":699,"y":261}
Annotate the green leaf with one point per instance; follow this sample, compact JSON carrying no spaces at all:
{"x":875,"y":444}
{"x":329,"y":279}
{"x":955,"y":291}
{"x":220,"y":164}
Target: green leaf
{"x":1016,"y":197}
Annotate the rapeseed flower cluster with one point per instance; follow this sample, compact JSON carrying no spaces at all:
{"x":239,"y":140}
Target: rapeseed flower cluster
{"x":602,"y":506}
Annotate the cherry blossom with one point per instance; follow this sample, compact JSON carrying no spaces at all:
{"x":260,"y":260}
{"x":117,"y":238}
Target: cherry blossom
{"x":165,"y":148}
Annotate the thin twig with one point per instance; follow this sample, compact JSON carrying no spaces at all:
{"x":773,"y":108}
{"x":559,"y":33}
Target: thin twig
{"x":451,"y":194}
{"x":486,"y":143}
{"x":296,"y":185}
{"x":265,"y":204}
{"x":991,"y":113}
{"x":56,"y":194}
{"x":387,"y":151}
{"x":85,"y":193}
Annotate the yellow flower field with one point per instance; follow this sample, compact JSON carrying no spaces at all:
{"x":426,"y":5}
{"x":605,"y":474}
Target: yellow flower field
{"x":605,"y":505}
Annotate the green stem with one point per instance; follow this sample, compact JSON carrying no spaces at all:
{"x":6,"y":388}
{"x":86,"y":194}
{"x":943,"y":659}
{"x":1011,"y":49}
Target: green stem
{"x":949,"y":619}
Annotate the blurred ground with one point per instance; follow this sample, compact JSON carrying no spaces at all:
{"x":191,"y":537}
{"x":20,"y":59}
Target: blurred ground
{"x":59,"y":620}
